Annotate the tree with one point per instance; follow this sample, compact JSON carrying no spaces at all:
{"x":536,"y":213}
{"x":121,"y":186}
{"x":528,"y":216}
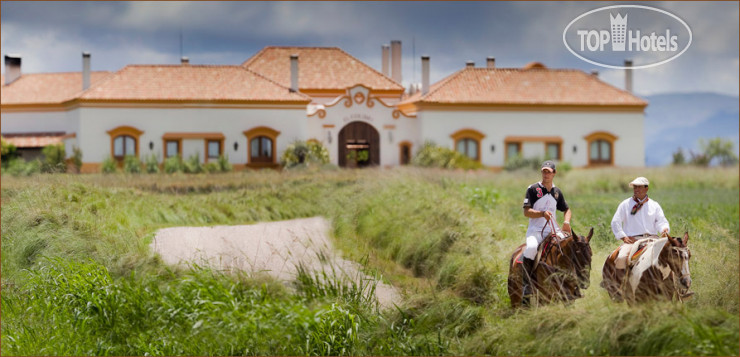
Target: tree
{"x":678,"y":157}
{"x":720,"y":149}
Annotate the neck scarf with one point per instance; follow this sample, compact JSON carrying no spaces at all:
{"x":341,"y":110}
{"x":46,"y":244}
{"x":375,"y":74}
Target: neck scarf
{"x":638,"y":205}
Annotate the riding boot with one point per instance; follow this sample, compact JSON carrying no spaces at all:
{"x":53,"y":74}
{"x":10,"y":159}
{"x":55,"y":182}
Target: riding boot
{"x":528,"y":279}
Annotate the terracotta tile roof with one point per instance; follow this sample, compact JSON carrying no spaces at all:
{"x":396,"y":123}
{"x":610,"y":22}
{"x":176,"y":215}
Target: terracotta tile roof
{"x":531,"y":86}
{"x":190,"y":83}
{"x":35,"y":140}
{"x":46,"y":88}
{"x":319,"y":68}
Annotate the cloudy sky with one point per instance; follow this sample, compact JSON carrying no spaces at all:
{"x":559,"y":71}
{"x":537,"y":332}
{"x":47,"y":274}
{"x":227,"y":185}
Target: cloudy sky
{"x":50,"y":36}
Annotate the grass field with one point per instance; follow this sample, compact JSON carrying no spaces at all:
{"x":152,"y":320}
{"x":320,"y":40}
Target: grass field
{"x":78,"y":277}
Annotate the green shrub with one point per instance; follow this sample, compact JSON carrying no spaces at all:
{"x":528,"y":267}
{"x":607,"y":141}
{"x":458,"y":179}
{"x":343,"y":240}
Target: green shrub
{"x":223,"y":163}
{"x":152,"y":164}
{"x":131,"y":164}
{"x":193,"y":165}
{"x":520,"y":162}
{"x":19,"y":167}
{"x":108,"y":166}
{"x":431,"y":155}
{"x":9,"y":152}
{"x":301,"y":152}
{"x":54,"y":159}
{"x":211,"y":167}
{"x":173,"y":164}
{"x":77,"y":158}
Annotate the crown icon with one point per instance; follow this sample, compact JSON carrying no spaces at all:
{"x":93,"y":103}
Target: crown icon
{"x":619,"y":31}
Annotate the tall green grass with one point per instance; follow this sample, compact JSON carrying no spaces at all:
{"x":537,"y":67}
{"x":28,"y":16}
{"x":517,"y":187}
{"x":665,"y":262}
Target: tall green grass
{"x":78,"y":276}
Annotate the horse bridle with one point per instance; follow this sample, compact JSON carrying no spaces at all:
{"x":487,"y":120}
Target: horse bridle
{"x":575,"y":262}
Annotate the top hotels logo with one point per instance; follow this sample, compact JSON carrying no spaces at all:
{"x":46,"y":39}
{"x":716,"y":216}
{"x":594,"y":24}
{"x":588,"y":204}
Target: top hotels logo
{"x":606,"y":36}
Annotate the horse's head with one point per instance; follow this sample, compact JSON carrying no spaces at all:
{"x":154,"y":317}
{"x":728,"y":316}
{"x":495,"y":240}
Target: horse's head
{"x":678,"y":255}
{"x":579,"y":253}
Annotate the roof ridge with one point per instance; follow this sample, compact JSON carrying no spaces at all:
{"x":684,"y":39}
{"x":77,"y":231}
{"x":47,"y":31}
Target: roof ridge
{"x":371,"y":68}
{"x":273,"y":82}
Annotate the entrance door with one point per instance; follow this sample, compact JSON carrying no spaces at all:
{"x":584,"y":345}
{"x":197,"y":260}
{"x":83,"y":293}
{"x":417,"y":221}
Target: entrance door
{"x":359,"y":145}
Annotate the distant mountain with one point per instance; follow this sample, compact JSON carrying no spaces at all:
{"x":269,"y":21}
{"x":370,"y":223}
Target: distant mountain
{"x":681,"y":119}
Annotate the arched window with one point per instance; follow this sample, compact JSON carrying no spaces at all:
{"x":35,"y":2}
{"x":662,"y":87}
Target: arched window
{"x":468,"y":142}
{"x":261,"y":147}
{"x":124,"y":141}
{"x":600,"y":148}
{"x":600,"y":152}
{"x":468,"y":147}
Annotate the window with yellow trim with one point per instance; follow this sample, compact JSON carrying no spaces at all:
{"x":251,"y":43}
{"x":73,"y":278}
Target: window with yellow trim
{"x":124,"y":145}
{"x":172,"y":148}
{"x":214,"y":149}
{"x":552,"y":151}
{"x":261,"y":149}
{"x":468,"y":147}
{"x":513,"y":149}
{"x":600,"y":152}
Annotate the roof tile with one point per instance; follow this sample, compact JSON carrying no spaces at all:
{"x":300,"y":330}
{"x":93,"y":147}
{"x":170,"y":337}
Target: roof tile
{"x":324,"y":68}
{"x":46,"y":88}
{"x":532,"y":86}
{"x":190,"y":83}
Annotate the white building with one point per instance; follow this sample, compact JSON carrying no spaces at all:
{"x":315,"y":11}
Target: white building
{"x":252,"y":111}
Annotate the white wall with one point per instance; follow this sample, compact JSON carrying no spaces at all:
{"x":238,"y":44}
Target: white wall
{"x":629,"y":148}
{"x":231,"y":122}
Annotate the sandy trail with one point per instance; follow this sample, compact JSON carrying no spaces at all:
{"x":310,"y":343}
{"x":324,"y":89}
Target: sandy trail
{"x":275,"y":248}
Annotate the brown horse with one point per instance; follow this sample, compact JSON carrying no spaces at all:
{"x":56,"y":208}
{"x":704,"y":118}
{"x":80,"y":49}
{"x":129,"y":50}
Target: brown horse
{"x":563,"y":270}
{"x":658,"y":268}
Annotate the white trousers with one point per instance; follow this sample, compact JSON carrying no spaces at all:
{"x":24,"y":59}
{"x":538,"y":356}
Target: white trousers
{"x":530,"y":252}
{"x":624,"y":252}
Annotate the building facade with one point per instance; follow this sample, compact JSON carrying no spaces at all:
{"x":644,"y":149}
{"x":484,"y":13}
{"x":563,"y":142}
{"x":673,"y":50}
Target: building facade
{"x":251,"y":112}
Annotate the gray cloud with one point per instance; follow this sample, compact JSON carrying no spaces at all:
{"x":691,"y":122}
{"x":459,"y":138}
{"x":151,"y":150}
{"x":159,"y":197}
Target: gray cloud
{"x":51,"y":35}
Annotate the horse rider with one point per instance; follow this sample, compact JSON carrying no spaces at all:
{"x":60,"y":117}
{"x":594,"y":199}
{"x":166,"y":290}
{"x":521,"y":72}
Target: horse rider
{"x":637,"y":217}
{"x":540,"y":202}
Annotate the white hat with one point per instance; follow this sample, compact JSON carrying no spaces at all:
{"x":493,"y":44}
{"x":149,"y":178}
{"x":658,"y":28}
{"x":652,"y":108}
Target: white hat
{"x":640,"y":181}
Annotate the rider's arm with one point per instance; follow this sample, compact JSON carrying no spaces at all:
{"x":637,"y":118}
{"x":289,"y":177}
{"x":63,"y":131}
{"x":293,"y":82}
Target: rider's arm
{"x":566,"y":221}
{"x":533,"y":213}
{"x":661,"y":222}
{"x":617,"y":222}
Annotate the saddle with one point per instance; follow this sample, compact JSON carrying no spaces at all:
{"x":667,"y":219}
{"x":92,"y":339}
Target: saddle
{"x":635,"y":251}
{"x":543,"y":247}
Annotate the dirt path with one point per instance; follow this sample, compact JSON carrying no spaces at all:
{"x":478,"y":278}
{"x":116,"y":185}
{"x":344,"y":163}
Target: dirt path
{"x":275,"y":248}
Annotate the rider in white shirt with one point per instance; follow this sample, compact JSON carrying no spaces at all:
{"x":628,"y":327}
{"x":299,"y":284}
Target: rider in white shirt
{"x":637,"y":217}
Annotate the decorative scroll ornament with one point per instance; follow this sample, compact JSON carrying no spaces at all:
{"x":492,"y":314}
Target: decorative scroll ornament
{"x":359,"y":97}
{"x":396,"y":114}
{"x":370,"y":102}
{"x":347,"y":102}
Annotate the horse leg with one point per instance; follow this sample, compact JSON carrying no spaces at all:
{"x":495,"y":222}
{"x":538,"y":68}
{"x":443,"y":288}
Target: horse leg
{"x":515,"y":287}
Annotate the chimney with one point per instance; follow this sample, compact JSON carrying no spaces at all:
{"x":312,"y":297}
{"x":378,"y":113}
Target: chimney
{"x":85,"y":70}
{"x":396,"y":61}
{"x":294,"y":73}
{"x":12,"y":68}
{"x":424,"y":75}
{"x":185,"y":60}
{"x":386,"y":59}
{"x":490,"y":62}
{"x":628,"y":75}
{"x":470,"y":64}
{"x":594,"y":73}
